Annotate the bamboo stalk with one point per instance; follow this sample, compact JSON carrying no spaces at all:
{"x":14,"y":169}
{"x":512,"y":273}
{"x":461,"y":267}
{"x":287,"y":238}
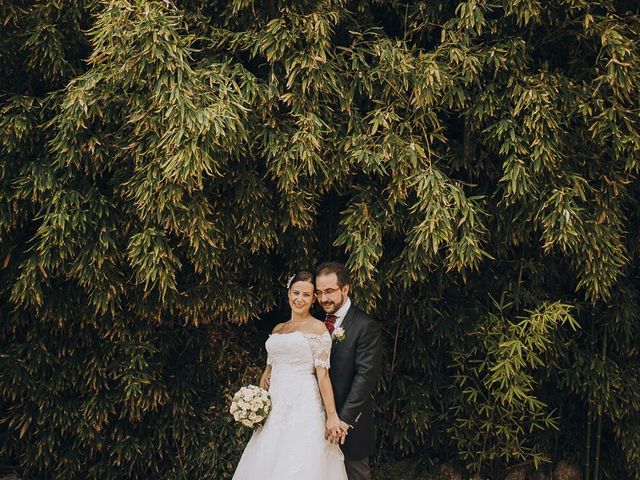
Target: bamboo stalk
{"x":393,"y":366}
{"x":587,"y":455}
{"x":556,"y":440}
{"x":395,"y":346}
{"x":467,"y":143}
{"x":596,"y":468}
{"x":587,"y":461}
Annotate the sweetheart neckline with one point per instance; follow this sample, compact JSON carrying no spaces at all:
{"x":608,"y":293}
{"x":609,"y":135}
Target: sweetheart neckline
{"x":310,"y":334}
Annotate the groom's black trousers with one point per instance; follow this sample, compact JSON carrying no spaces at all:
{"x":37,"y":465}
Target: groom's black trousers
{"x":358,"y":469}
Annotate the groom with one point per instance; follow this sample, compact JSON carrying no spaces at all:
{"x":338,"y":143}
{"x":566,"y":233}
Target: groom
{"x":356,"y":357}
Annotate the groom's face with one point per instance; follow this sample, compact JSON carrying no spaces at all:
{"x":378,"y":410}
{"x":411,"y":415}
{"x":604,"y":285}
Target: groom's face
{"x":330,"y":296}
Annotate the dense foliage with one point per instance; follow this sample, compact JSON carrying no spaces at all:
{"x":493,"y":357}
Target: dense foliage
{"x":164,"y":166}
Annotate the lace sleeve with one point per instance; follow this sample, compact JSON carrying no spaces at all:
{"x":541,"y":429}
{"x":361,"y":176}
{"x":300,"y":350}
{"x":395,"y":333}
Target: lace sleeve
{"x":321,"y":349}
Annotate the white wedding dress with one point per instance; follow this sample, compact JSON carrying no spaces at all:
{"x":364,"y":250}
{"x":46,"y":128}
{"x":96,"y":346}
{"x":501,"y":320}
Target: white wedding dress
{"x":291,"y":444}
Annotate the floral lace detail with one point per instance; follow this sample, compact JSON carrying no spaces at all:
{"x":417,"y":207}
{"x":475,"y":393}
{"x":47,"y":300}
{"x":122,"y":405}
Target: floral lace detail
{"x":320,"y":344}
{"x":320,"y":348}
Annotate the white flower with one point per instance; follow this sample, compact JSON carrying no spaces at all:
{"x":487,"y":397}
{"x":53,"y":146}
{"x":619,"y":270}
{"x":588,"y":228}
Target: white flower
{"x":339,"y":334}
{"x":289,"y":281}
{"x":250,"y":405}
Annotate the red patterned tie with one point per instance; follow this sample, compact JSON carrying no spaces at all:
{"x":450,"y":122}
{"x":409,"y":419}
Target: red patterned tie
{"x":330,"y":322}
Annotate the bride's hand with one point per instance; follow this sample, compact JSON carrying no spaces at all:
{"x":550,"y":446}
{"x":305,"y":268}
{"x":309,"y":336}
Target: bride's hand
{"x":265,"y":381}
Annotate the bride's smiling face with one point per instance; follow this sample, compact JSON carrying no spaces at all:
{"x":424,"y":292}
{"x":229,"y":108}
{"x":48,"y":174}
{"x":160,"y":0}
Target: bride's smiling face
{"x":301,"y":296}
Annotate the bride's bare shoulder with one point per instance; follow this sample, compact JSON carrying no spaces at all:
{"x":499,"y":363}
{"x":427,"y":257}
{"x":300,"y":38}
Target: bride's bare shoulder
{"x":278,"y":327}
{"x":317,"y":327}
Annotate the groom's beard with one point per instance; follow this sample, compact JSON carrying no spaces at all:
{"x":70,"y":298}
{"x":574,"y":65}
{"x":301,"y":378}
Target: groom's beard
{"x":330,"y":306}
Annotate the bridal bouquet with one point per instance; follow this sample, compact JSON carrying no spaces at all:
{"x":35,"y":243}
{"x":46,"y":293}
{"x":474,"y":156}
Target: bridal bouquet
{"x":250,"y":406}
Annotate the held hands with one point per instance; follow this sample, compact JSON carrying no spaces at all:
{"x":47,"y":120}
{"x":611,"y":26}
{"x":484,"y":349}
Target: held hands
{"x":336,"y":430}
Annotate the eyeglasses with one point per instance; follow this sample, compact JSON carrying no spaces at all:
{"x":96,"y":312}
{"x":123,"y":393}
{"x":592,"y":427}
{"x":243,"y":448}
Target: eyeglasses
{"x":327,"y":292}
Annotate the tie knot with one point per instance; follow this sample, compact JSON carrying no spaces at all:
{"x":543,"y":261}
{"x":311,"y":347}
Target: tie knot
{"x":330,"y":318}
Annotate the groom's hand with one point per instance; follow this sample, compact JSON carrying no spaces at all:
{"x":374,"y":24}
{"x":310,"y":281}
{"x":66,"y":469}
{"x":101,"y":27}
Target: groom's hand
{"x":336,"y":437}
{"x":338,"y":433}
{"x":343,"y":430}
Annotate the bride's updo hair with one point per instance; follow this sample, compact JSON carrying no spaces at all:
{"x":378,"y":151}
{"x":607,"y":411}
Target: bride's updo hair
{"x":301,"y":276}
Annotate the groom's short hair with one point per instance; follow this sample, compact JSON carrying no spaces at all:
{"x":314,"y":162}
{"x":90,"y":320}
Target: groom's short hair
{"x":327,"y":268}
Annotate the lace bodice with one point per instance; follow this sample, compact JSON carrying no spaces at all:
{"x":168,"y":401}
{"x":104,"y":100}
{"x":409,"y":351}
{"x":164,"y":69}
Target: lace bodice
{"x":298,"y":352}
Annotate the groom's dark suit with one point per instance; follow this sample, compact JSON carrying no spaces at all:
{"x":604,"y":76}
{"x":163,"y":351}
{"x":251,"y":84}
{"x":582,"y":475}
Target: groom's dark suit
{"x":355,"y":368}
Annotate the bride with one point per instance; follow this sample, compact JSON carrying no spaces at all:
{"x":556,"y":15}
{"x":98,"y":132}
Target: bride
{"x":292,"y":443}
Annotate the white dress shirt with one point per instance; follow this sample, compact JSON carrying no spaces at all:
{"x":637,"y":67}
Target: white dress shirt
{"x":341,"y":313}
